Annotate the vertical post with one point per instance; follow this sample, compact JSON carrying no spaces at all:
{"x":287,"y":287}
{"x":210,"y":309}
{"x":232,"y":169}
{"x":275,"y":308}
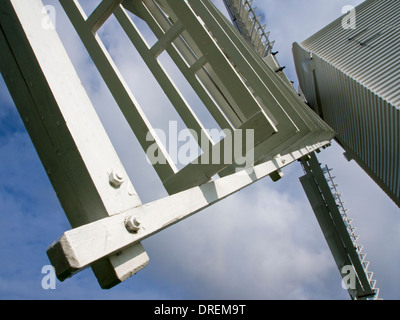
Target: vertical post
{"x":332,"y":224}
{"x":63,"y":125}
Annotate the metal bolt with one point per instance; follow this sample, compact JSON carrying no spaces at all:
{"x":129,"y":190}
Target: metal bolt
{"x":116,"y":179}
{"x":133,"y":224}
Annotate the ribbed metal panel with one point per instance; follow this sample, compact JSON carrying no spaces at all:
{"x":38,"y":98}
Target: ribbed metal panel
{"x":351,"y":77}
{"x":370,"y":53}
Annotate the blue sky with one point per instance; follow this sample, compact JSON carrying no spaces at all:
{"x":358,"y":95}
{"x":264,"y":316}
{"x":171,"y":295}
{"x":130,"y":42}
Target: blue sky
{"x":262,"y":243}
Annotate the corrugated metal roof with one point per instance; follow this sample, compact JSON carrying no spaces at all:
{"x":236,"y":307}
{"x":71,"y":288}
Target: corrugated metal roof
{"x":351,"y":77}
{"x":370,"y":53}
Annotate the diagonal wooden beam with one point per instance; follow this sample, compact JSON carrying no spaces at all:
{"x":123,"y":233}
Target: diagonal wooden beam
{"x":102,"y":12}
{"x":80,"y":247}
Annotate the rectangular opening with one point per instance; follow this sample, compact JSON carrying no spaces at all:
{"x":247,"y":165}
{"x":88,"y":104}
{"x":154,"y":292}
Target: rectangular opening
{"x":146,"y":32}
{"x":88,"y":6}
{"x":149,"y":94}
{"x":188,"y":93}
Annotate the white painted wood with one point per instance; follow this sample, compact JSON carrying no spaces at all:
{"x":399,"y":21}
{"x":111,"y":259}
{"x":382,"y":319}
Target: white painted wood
{"x":166,"y":40}
{"x":184,"y":57}
{"x":242,"y":102}
{"x":243,"y":16}
{"x":124,"y":97}
{"x":62,"y":123}
{"x":82,"y":246}
{"x":172,"y":92}
{"x":100,"y":15}
{"x":266,"y":85}
{"x":284,"y":106}
{"x":203,"y":168}
{"x":65,"y":112}
{"x":332,"y":224}
{"x":331,"y":236}
{"x":120,"y":266}
{"x":238,"y":88}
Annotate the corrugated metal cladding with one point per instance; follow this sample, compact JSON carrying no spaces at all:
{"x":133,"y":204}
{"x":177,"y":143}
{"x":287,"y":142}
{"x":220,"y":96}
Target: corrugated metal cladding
{"x":351,"y":77}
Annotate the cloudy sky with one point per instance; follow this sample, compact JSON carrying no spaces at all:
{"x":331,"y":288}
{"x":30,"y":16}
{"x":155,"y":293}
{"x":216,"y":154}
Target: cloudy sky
{"x":261,"y":243}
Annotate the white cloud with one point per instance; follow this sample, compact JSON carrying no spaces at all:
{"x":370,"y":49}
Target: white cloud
{"x":255,"y":244}
{"x":262,"y":243}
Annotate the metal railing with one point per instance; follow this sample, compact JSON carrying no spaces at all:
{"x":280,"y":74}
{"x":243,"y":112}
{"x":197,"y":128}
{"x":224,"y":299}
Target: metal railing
{"x":351,"y":230}
{"x":244,"y":17}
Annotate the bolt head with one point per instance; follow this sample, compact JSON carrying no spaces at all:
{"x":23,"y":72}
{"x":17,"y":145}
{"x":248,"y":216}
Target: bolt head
{"x":116,"y":179}
{"x":133,"y":224}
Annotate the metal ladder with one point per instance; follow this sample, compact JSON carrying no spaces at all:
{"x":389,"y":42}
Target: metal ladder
{"x":351,"y":230}
{"x":336,"y":227}
{"x":328,"y":205}
{"x":244,"y":17}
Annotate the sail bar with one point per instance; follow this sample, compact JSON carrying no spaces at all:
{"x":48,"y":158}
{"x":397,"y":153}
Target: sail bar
{"x":335,"y":230}
{"x":65,"y":129}
{"x":244,"y":17}
{"x":265,"y":123}
{"x":122,"y":94}
{"x":78,"y":248}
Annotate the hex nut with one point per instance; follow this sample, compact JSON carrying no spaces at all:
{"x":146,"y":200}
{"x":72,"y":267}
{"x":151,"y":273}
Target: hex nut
{"x":116,"y":179}
{"x":133,"y":224}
